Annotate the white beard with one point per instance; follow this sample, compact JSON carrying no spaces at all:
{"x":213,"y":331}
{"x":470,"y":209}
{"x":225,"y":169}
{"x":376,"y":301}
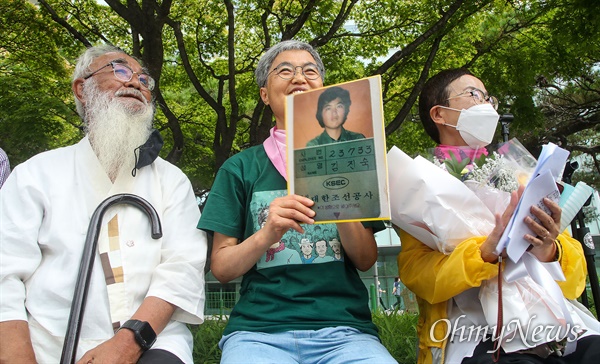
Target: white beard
{"x":115,"y":129}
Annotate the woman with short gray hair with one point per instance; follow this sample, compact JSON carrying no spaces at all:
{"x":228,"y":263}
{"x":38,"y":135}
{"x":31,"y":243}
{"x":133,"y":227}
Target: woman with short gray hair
{"x":289,"y":311}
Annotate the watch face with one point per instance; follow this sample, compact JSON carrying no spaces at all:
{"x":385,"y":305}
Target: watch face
{"x":144,"y":334}
{"x":147,"y":334}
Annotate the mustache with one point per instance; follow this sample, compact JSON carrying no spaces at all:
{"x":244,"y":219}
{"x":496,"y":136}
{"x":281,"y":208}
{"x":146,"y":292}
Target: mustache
{"x":132,"y":92}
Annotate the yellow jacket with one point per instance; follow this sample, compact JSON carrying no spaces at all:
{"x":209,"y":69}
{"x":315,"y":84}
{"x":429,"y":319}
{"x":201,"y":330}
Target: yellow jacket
{"x":435,"y":278}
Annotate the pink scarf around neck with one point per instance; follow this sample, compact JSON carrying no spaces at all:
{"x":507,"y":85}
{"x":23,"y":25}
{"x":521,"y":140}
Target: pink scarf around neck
{"x":275,"y":148}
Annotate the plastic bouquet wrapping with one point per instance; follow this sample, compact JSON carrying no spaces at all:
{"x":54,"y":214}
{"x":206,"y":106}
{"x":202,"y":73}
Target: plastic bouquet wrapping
{"x":432,"y":205}
{"x":491,"y":175}
{"x":454,"y":197}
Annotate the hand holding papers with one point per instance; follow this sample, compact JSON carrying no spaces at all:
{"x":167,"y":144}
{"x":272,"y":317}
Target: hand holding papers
{"x":543,"y":184}
{"x":538,"y":188}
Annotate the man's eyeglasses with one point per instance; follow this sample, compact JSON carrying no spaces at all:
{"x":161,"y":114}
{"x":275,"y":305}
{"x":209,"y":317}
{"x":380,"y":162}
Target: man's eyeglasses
{"x":287,"y":71}
{"x":125,"y":74}
{"x":479,"y":96}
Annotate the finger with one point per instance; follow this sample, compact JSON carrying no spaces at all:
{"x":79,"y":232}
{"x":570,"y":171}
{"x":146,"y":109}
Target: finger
{"x":547,"y":222}
{"x":515,"y":196}
{"x":498,"y":228}
{"x":545,"y":219}
{"x":556,"y":211}
{"x":536,"y":228}
{"x":520,"y":191}
{"x":293,"y":213}
{"x":292,"y":209}
{"x":304,"y":200}
{"x":301,"y":199}
{"x":510,"y":209}
{"x":541,"y":236}
{"x":86,"y":359}
{"x":281,"y":219}
{"x":488,"y":247}
{"x":293,"y":202}
{"x":296,"y":215}
{"x":536,"y":241}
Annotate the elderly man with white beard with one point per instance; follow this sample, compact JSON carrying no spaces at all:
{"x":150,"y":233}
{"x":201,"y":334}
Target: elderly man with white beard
{"x":141,"y":289}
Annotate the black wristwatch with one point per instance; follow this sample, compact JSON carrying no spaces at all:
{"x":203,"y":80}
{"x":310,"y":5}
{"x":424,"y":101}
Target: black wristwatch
{"x":144,"y":334}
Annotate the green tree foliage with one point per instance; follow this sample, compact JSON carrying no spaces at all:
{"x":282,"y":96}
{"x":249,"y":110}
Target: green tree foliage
{"x":203,"y":54}
{"x":571,"y":111}
{"x":36,"y":112}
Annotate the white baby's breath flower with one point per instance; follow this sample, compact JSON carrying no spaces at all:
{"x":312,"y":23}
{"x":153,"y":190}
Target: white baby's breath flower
{"x":496,"y":172}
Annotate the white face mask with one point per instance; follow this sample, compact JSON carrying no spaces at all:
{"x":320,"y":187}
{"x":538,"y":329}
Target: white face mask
{"x":476,"y":124}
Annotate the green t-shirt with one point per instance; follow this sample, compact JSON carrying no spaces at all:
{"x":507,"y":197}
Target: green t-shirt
{"x":324,"y":138}
{"x":300,"y":284}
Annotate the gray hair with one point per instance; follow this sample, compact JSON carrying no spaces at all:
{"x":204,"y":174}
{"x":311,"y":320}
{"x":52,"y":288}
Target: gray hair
{"x":266,"y":61}
{"x":83,"y":65}
{"x":86,"y":59}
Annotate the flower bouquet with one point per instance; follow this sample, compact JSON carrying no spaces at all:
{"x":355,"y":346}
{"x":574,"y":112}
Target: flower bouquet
{"x":454,"y":196}
{"x":491,"y":174}
{"x":432,"y":205}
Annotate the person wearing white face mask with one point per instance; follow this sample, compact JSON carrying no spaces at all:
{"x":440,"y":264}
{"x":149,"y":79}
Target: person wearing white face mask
{"x":459,"y":115}
{"x":477,"y":124}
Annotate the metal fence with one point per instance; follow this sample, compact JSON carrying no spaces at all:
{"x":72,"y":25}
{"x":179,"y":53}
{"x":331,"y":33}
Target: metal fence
{"x":219,"y":302}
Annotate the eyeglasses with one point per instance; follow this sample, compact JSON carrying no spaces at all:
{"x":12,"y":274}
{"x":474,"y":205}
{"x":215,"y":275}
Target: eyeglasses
{"x":287,"y":71}
{"x":479,"y":96}
{"x":125,"y":74}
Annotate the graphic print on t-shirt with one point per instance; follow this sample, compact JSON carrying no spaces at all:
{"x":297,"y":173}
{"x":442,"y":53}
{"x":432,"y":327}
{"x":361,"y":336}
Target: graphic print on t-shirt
{"x":319,"y":243}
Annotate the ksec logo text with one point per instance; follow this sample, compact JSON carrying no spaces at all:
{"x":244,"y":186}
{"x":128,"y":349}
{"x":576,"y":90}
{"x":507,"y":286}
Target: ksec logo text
{"x":335,"y":183}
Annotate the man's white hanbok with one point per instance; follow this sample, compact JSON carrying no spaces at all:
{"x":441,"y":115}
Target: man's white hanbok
{"x":45,"y":209}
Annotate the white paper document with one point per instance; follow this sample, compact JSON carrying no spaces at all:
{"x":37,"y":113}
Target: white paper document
{"x":553,"y":159}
